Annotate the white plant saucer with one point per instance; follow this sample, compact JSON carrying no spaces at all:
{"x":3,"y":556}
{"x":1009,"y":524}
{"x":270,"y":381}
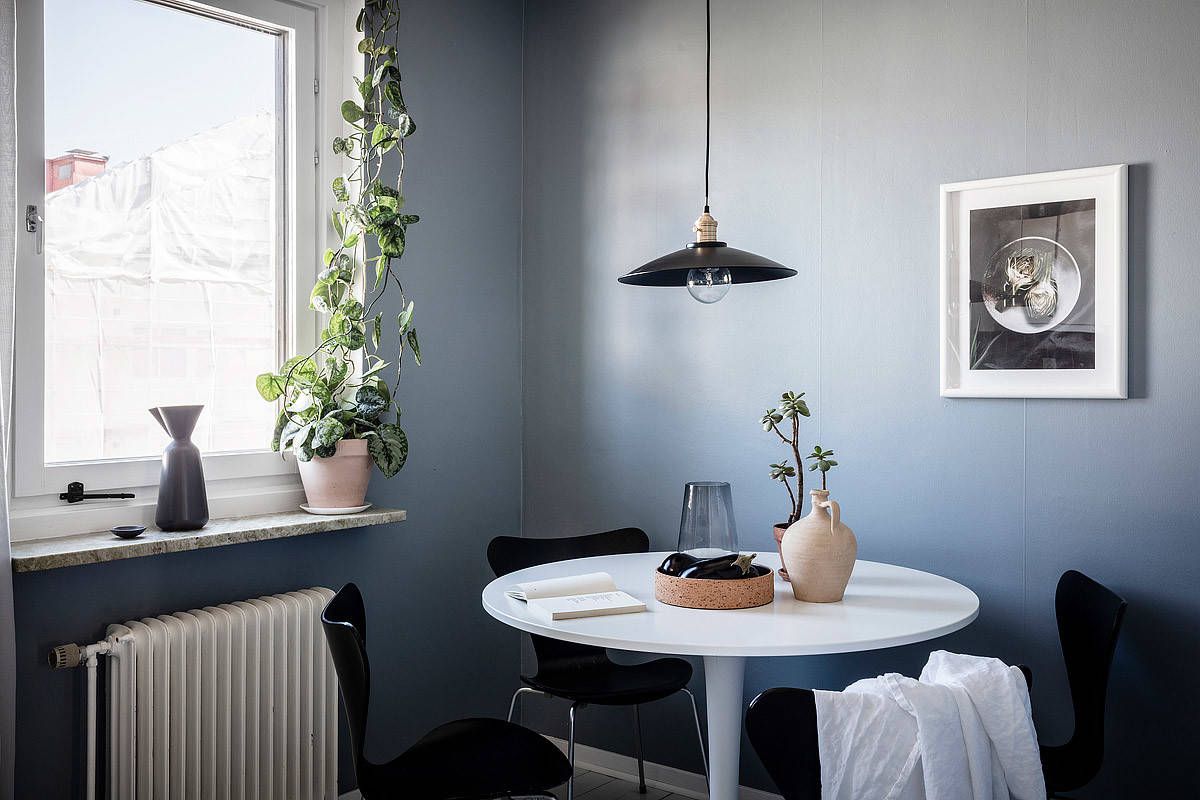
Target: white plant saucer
{"x":325,"y":512}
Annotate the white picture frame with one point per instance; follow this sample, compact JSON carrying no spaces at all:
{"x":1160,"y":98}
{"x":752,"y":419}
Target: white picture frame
{"x":1033,"y":285}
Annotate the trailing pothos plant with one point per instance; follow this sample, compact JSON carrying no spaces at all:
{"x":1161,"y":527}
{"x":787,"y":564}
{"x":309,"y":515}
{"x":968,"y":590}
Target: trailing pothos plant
{"x":340,"y":389}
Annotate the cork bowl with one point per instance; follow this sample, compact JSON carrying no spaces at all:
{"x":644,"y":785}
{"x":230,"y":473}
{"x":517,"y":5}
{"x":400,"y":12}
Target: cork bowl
{"x":757,"y":590}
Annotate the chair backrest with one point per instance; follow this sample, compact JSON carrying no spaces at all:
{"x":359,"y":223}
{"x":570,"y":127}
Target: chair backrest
{"x":782,"y":727}
{"x":1089,"y":622}
{"x":510,"y":553}
{"x":345,"y":622}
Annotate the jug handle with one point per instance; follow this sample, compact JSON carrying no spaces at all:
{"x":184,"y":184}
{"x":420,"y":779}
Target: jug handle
{"x":835,"y":514}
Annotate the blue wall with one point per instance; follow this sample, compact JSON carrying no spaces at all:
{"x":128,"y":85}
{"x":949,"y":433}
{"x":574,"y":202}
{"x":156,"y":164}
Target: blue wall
{"x":833,"y":125}
{"x":421,"y":578}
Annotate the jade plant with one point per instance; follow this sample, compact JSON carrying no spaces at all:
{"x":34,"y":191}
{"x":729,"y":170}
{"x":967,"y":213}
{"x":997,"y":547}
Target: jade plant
{"x":822,"y":460}
{"x":340,"y":389}
{"x":791,"y":408}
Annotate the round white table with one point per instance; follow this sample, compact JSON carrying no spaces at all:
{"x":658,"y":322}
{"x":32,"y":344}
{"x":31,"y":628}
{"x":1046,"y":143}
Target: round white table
{"x":885,"y":606}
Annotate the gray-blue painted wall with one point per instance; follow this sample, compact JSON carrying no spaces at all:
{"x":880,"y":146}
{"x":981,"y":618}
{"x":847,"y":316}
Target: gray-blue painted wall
{"x":462,"y":67}
{"x":833,"y":125}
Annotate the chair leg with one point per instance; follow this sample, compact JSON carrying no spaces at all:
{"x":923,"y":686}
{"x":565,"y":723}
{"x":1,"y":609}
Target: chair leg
{"x":699,"y":733}
{"x":512,"y":706}
{"x":637,"y":739}
{"x":571,"y":751}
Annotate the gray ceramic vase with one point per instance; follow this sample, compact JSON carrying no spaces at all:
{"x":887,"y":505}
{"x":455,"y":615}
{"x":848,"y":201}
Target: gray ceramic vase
{"x":182,"y":499}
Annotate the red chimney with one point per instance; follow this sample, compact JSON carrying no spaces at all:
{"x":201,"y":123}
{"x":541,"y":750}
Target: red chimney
{"x":72,"y":167}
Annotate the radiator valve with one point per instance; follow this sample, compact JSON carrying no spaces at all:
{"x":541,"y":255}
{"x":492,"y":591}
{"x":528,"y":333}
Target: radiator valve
{"x":65,"y":656}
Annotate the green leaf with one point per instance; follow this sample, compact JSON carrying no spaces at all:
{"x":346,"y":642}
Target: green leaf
{"x":302,"y":369}
{"x":280,"y":423}
{"x":415,"y":345}
{"x":391,"y":91}
{"x":405,"y":125}
{"x":327,"y":433}
{"x":375,"y":370}
{"x":300,"y":444}
{"x":339,"y":190}
{"x":382,"y":387}
{"x":351,"y":111}
{"x":405,"y":318}
{"x":338,"y":370}
{"x":350,"y":241}
{"x":376,"y":330}
{"x":382,"y":132}
{"x":369,"y":403}
{"x":358,"y":22}
{"x":391,"y":242}
{"x":381,"y":268}
{"x":389,"y":449}
{"x":304,"y":401}
{"x":366,"y":45}
{"x":338,"y":225}
{"x":270,"y":386}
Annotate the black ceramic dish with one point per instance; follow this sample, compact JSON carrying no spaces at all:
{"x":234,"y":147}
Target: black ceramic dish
{"x":128,"y":531}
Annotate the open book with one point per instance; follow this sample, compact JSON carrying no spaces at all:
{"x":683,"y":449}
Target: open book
{"x":592,"y":595}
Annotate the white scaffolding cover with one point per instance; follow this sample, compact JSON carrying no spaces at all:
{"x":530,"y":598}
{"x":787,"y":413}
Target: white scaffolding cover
{"x":161,"y":280}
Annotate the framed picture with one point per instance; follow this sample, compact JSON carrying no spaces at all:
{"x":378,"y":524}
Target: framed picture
{"x":1033,"y":285}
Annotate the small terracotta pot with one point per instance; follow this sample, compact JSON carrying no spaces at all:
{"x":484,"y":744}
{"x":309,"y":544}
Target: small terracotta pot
{"x":339,"y":481}
{"x":780,"y":530}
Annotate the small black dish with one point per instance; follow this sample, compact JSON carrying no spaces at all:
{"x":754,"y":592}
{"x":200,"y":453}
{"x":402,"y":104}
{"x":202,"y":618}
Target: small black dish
{"x":128,"y":531}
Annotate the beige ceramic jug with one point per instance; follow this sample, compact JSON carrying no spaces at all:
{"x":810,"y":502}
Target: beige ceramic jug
{"x":819,"y":552}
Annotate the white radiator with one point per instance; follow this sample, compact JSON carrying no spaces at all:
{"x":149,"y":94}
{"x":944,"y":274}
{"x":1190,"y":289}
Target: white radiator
{"x":233,"y":702}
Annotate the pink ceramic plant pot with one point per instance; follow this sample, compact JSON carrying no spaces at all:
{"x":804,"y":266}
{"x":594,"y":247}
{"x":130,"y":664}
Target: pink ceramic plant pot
{"x":780,"y":530}
{"x":339,"y":481}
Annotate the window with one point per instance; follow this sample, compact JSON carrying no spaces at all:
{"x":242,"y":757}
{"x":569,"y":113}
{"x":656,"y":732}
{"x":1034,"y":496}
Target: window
{"x":163,"y":263}
{"x":179,"y":190}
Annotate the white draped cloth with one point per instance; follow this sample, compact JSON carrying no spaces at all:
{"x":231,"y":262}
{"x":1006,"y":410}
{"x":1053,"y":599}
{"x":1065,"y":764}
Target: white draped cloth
{"x":962,"y":731}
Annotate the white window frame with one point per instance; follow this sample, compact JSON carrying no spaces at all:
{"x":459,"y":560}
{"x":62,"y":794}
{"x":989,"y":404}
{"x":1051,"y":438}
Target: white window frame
{"x":319,"y":51}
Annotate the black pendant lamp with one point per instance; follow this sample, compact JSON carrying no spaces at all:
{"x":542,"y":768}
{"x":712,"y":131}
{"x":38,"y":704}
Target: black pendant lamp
{"x":707,"y":267}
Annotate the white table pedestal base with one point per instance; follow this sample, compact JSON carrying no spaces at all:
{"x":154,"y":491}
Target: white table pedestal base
{"x":723,"y":678}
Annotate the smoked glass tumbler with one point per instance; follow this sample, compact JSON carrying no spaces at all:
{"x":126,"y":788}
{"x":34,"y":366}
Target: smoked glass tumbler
{"x":707,"y":527}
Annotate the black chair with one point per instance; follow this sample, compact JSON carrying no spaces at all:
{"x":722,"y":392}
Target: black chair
{"x":582,"y":673}
{"x":1089,"y":622}
{"x":469,"y":759}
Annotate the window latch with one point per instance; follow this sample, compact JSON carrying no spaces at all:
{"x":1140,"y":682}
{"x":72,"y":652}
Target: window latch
{"x":75,"y":493}
{"x":33,"y":224}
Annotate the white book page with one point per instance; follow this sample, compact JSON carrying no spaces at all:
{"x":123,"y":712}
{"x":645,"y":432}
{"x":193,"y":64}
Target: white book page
{"x":590,"y":583}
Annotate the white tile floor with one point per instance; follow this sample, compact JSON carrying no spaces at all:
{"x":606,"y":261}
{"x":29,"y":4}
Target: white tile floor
{"x":595,"y":786}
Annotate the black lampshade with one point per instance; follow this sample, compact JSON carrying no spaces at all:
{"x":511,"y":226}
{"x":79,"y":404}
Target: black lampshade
{"x":672,"y":269}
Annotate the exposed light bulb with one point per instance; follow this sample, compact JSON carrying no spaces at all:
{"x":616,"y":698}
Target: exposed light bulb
{"x":709,"y":284}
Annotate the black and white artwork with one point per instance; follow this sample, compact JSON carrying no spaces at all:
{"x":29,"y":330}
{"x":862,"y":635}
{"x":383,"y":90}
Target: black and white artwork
{"x":1033,"y":285}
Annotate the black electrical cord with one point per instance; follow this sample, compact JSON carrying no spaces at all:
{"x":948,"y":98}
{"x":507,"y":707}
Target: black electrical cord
{"x":707,"y":92}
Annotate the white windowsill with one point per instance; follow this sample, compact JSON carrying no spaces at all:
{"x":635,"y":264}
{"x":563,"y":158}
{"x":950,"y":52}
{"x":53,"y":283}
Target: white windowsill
{"x":34,"y":555}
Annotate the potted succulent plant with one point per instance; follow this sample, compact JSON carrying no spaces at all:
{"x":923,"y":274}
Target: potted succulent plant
{"x":337,"y":408}
{"x":792,"y":407}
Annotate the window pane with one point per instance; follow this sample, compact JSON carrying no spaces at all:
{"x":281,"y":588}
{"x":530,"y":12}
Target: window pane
{"x":162,"y":233}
